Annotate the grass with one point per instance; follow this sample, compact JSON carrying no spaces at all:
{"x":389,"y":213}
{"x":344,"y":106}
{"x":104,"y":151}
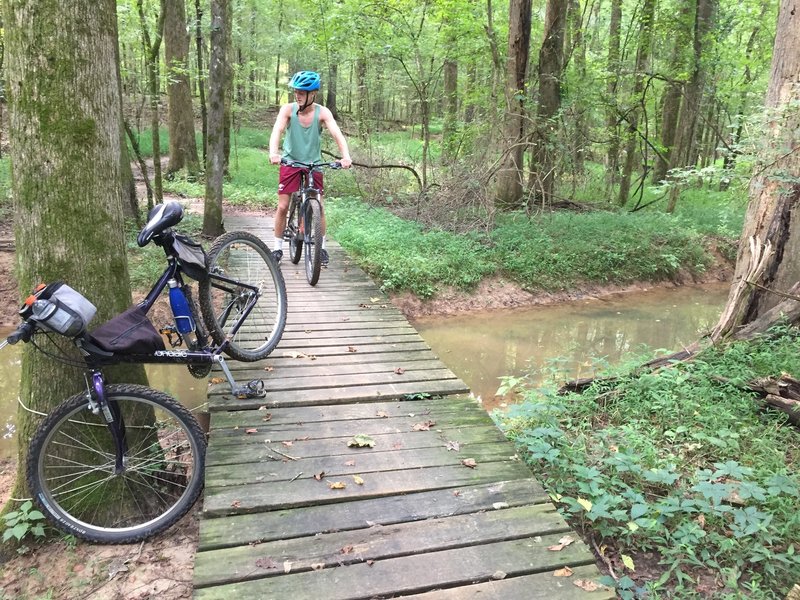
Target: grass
{"x":681,"y":463}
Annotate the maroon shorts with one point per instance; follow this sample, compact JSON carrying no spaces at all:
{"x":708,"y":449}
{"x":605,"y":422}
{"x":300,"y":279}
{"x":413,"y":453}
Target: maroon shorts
{"x":289,"y":180}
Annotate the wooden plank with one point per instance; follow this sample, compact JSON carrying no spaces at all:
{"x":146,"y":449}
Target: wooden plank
{"x":285,"y":524}
{"x":289,"y":359}
{"x":222,"y":400}
{"x":377,"y":542}
{"x":541,"y":586}
{"x":344,"y":412}
{"x":413,"y":574}
{"x":344,"y":467}
{"x":230,"y":451}
{"x":302,"y":492}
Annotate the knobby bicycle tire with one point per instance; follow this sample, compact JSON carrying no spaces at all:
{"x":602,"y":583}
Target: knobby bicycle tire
{"x":313,"y":239}
{"x":246,"y":261}
{"x":296,"y":239}
{"x":71,"y":471}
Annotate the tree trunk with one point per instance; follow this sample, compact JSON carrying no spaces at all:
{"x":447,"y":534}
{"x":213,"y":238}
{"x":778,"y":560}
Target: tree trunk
{"x":333,"y":75}
{"x":201,"y":85}
{"x":685,"y":152}
{"x":64,"y":122}
{"x":449,"y":129}
{"x":152,"y":50}
{"x":215,"y":159}
{"x":642,"y":61}
{"x":509,"y":176}
{"x":612,"y":120}
{"x":551,"y":57}
{"x":182,"y":144}
{"x":577,"y":120}
{"x":673,"y":94}
{"x":362,"y":98}
{"x":227,"y":119}
{"x":770,"y":243}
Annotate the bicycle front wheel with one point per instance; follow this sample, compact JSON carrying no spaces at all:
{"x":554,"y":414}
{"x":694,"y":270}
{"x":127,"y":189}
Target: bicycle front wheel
{"x":78,"y":483}
{"x":243,"y":300}
{"x":313,"y":239}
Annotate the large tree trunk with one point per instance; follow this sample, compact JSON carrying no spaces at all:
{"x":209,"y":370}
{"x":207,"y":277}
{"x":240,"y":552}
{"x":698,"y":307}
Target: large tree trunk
{"x":182,"y":144}
{"x":152,"y":50}
{"x":509,"y":176}
{"x":551,"y":57}
{"x":215,"y":157}
{"x":333,"y":76}
{"x":770,"y":243}
{"x":201,"y":85}
{"x":66,"y":186}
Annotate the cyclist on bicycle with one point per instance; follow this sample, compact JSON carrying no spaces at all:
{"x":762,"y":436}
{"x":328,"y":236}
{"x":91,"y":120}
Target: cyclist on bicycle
{"x":302,"y":120}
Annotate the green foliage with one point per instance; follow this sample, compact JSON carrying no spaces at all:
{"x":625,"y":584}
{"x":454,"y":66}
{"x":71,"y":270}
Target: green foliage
{"x":23,"y":522}
{"x":401,"y":254}
{"x":681,"y":462}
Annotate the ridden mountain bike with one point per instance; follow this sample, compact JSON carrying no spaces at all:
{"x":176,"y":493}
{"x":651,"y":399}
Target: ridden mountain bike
{"x":118,"y":463}
{"x":304,"y":223}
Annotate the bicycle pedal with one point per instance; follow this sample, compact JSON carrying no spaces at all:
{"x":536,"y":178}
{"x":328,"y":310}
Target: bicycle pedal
{"x":252,"y":389}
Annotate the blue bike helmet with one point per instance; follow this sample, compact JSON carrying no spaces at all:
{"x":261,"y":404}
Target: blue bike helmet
{"x":307,"y":81}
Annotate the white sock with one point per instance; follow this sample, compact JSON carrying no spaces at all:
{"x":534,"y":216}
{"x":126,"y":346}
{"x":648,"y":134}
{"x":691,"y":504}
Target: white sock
{"x":278,"y":244}
{"x":323,"y":242}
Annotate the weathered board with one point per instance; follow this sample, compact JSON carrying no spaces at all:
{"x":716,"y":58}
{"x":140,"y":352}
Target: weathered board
{"x":436,"y":505}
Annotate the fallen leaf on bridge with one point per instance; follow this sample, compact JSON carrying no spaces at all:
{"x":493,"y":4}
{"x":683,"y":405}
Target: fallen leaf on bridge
{"x":351,"y":349}
{"x":381,"y":414}
{"x":216,"y":380}
{"x":565,"y":572}
{"x":399,"y":370}
{"x":251,"y":430}
{"x":469,"y":462}
{"x":319,"y":476}
{"x":587,"y":585}
{"x":361,"y":441}
{"x":317,"y":566}
{"x":454,"y":446}
{"x":562,"y":543}
{"x":350,"y":463}
{"x":358,"y":480}
{"x":337,"y":485}
{"x":424,"y":426}
{"x":287,"y":444}
{"x":266,"y":563}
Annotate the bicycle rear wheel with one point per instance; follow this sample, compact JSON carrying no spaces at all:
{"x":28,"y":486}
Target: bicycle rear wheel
{"x":72,"y":475}
{"x":313,"y":239}
{"x":296,"y":238}
{"x":243,"y":300}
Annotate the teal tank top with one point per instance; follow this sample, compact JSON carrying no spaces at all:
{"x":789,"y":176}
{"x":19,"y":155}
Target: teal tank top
{"x":302,"y":144}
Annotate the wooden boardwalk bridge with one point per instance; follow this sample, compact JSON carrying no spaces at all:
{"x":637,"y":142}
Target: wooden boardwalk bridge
{"x":435,"y":507}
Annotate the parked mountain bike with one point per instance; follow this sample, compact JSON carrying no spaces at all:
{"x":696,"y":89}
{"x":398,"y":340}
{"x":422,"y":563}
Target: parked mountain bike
{"x":304,"y":223}
{"x":120,"y":462}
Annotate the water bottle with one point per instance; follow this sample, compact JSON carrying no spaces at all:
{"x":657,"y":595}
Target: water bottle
{"x":54,"y":318}
{"x":182,"y":313}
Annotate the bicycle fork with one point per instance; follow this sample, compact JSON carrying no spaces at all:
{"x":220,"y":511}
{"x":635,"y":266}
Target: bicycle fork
{"x":99,"y":404}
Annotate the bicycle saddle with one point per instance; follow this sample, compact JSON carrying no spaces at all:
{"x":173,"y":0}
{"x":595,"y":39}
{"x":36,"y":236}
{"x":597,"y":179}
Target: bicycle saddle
{"x":161,"y":217}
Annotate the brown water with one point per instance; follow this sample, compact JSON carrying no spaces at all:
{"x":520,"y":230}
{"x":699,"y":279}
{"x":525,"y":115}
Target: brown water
{"x":570,"y":340}
{"x":574,"y":339}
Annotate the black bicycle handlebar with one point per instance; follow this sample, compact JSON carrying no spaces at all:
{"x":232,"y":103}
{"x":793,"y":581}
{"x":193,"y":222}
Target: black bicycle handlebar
{"x":23,"y":333}
{"x":302,"y":165}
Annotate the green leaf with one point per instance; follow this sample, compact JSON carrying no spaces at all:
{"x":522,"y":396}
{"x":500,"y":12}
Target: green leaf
{"x":20,"y":530}
{"x":361,"y":441}
{"x":628,"y":562}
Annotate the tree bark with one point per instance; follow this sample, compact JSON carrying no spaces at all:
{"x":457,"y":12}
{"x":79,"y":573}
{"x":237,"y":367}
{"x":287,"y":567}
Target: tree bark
{"x":65,"y":129}
{"x":674,"y":92}
{"x":330,"y":87}
{"x":509,"y":176}
{"x":612,"y":120}
{"x":684,"y":153}
{"x":152,"y":50}
{"x":215,"y":157}
{"x":182,"y":144}
{"x":770,"y":242}
{"x":642,"y":61}
{"x":201,"y":85}
{"x":551,"y":57}
{"x":449,"y":129}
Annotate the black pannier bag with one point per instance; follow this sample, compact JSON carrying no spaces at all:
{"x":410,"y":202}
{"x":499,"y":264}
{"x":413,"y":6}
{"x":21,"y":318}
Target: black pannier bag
{"x":130,"y":332}
{"x":191,"y":256}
